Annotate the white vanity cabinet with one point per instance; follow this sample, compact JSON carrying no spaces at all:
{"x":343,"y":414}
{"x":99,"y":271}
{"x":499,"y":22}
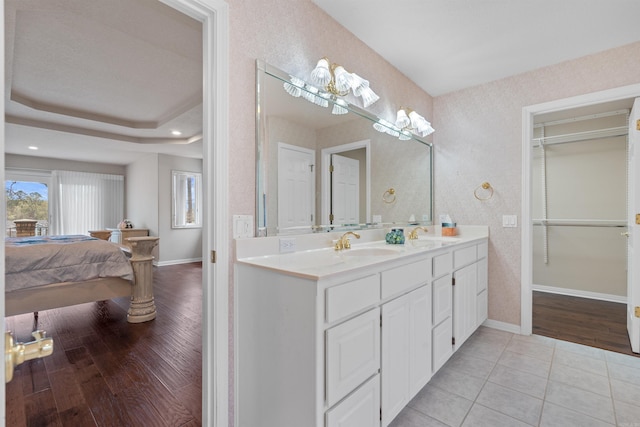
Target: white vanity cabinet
{"x":349,"y":348}
{"x":469,"y":291}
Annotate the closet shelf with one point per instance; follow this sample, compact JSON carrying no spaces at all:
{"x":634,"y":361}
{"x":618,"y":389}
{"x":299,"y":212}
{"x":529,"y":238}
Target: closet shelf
{"x":581,"y":136}
{"x":581,"y":222}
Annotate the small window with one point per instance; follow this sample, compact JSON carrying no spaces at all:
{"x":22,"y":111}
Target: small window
{"x":187,"y":199}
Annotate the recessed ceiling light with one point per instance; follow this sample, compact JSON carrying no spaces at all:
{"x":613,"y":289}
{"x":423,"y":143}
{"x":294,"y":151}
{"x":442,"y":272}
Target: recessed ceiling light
{"x":32,"y":147}
{"x":176,"y":132}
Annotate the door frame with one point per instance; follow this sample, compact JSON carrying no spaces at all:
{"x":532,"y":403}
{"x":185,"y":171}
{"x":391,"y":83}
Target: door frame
{"x":214,"y":15}
{"x":325,"y":177}
{"x":526,"y":249}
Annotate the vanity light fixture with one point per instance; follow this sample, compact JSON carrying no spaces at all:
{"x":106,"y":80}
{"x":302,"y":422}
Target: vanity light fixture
{"x":334,"y":79}
{"x":409,"y":121}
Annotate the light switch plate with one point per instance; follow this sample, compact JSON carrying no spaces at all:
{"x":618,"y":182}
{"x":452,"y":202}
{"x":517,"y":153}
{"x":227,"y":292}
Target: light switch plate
{"x":510,"y":221}
{"x":242,"y":226}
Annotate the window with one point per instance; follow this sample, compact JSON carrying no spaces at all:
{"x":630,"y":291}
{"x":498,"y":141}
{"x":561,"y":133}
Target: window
{"x":187,"y":199}
{"x":27,"y":197}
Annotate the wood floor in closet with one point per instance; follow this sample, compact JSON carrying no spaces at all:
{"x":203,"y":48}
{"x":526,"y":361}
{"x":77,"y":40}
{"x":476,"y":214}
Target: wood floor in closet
{"x":107,"y":372}
{"x":595,"y":323}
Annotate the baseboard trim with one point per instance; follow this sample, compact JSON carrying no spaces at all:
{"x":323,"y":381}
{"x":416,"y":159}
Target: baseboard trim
{"x":502,"y":326}
{"x":579,"y":293}
{"x":177,"y":261}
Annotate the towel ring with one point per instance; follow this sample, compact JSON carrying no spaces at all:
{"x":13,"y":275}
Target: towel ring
{"x":484,"y":186}
{"x":389,"y":196}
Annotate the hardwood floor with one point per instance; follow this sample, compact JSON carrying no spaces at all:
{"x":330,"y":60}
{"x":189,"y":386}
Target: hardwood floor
{"x":107,"y":372}
{"x":595,"y":323}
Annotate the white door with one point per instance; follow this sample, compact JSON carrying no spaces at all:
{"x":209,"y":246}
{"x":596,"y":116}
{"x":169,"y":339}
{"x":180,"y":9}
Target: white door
{"x":633,"y":206}
{"x":345,"y":190}
{"x":296,"y":186}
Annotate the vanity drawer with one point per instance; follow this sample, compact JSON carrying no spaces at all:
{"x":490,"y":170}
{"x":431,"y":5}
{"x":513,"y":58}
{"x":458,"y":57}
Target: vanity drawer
{"x":351,"y":297}
{"x":406,"y":277}
{"x":353,"y":354}
{"x":441,"y":264}
{"x":361,"y":409}
{"x":464,"y":256}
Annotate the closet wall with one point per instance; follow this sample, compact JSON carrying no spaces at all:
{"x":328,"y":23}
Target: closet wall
{"x":579,"y":199}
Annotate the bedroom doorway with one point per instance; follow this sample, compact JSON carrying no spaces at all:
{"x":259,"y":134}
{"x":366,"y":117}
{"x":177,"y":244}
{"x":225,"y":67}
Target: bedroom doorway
{"x":213,"y":15}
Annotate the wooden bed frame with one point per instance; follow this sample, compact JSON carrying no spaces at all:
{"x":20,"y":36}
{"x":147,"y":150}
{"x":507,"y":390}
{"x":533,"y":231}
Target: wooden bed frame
{"x":142,"y":307}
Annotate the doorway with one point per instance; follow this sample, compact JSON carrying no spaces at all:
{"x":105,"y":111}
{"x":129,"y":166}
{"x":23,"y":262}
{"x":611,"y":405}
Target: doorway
{"x":591,"y":102}
{"x":360,"y":150}
{"x":214,"y":17}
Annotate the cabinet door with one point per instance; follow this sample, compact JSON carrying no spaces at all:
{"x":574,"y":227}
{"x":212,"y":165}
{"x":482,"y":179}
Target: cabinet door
{"x":442,"y":346}
{"x":353,"y":354}
{"x":442,"y":299}
{"x":464,"y":303}
{"x":395,"y":357}
{"x":420,"y":340}
{"x":361,"y":409}
{"x":406,"y":350}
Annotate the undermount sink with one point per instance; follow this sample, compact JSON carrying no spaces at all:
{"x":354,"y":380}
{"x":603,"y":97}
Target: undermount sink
{"x":369,"y":252}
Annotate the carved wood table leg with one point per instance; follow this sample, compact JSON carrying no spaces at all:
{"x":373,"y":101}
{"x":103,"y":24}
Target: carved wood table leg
{"x":142,"y":307}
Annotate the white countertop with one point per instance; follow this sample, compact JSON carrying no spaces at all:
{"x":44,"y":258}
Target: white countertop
{"x":316,"y":257}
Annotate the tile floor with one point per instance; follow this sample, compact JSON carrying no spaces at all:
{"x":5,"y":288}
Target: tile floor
{"x":500,"y":379}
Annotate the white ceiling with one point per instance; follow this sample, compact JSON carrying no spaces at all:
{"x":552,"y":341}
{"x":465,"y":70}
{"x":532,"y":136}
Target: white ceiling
{"x":86,"y":81}
{"x":447,"y":45}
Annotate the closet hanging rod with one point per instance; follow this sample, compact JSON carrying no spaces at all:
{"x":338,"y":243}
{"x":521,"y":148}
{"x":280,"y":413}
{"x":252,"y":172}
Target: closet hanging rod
{"x":581,"y":118}
{"x":580,"y":222}
{"x":581,"y":136}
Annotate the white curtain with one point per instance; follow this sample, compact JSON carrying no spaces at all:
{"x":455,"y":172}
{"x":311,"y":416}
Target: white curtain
{"x":83,"y":201}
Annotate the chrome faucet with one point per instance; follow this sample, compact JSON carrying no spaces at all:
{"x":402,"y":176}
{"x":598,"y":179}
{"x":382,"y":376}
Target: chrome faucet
{"x":343,"y":242}
{"x":413,"y":235}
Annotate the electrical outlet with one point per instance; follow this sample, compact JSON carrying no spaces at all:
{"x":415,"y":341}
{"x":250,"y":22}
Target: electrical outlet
{"x":287,"y":244}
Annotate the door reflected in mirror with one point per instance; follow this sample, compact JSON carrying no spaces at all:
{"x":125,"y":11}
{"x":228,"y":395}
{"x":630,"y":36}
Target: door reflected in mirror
{"x":187,"y":199}
{"x":318,"y":171}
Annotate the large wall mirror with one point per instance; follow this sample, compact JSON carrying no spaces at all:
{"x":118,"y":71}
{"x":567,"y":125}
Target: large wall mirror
{"x":318,"y":171}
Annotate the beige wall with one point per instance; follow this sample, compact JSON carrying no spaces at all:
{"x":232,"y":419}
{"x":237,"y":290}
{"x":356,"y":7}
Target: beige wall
{"x":479,"y":138}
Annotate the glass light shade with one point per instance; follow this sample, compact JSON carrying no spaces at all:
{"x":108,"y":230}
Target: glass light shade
{"x":358,"y":84}
{"x":393,"y":131}
{"x":342,"y":79}
{"x":416,"y":119}
{"x":402,"y":121}
{"x":322,"y":99}
{"x":339,"y":107}
{"x":294,"y":87}
{"x":321,"y":74}
{"x":405,"y":135}
{"x":310,"y":93}
{"x":381,"y":125}
{"x":368,"y":96}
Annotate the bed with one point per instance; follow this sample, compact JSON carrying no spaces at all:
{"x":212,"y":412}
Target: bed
{"x":45,"y":272}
